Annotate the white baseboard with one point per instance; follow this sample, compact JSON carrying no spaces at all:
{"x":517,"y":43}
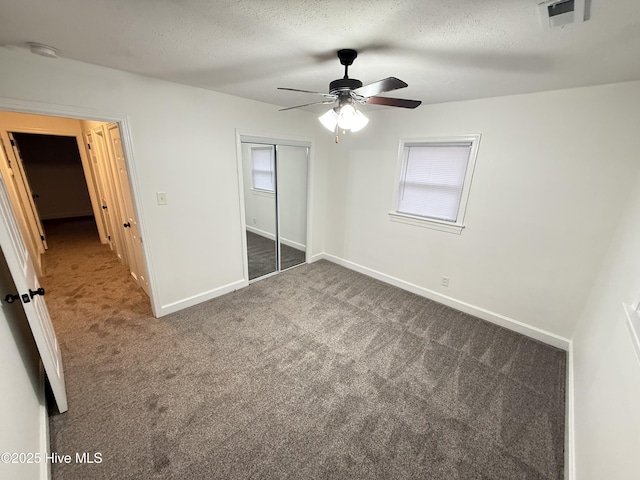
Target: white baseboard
{"x":59,"y":215}
{"x":271,"y":236}
{"x":292,"y":244}
{"x":201,"y":297}
{"x":503,"y":321}
{"x":493,"y":317}
{"x":43,"y":414}
{"x":570,"y":442}
{"x":262,"y":233}
{"x":316,"y":257}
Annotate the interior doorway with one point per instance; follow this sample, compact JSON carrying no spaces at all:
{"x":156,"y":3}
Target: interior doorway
{"x":54,"y":174}
{"x":275,"y":178}
{"x":63,"y":172}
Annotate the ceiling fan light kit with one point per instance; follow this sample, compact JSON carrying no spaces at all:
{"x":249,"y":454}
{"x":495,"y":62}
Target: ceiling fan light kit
{"x":348,"y":92}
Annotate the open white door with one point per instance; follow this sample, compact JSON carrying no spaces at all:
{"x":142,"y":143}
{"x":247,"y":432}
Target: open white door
{"x":34,"y":244}
{"x":108,"y":178}
{"x":101,"y":216}
{"x":26,"y":191}
{"x":30,"y":294}
{"x":107,"y":215}
{"x":136,"y":261}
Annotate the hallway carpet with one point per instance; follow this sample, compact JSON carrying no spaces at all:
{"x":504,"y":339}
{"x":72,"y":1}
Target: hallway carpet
{"x":318,"y":372}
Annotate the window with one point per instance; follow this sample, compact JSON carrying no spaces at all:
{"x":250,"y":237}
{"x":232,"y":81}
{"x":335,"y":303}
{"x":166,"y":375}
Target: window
{"x":434,"y":178}
{"x":262,"y":169}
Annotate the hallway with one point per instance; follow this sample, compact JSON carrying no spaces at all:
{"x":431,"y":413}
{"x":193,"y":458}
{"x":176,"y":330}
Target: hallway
{"x":84,"y":280}
{"x":90,"y":295}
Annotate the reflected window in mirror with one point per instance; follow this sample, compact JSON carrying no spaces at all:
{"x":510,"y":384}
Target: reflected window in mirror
{"x":263,"y":169}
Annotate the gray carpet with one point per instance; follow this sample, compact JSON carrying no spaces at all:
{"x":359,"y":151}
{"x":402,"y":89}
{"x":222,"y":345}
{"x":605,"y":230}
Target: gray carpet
{"x":317,"y":372}
{"x":262,"y":255}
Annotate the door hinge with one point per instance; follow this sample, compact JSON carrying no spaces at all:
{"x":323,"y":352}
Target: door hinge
{"x":89,"y":146}
{"x":42,"y":237}
{"x":109,"y":237}
{"x":13,"y":144}
{"x":39,"y":291}
{"x":11,"y":298}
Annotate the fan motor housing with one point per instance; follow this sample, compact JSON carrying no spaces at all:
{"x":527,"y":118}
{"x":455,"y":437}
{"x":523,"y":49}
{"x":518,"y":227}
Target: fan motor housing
{"x":344,"y":84}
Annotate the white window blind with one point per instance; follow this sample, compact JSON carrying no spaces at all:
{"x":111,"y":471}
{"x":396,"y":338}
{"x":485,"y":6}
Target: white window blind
{"x":262,"y":167}
{"x":433,"y":179}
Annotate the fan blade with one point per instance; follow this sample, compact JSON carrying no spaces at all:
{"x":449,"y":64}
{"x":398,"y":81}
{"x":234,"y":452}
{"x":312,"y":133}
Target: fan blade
{"x":308,"y":91}
{"x":384,"y":85}
{"x":324,"y":102}
{"x":393,"y":102}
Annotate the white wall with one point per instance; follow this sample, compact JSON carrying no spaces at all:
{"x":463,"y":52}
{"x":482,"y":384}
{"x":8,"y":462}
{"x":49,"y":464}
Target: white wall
{"x":22,"y":414}
{"x":184,"y":145}
{"x":606,"y":370}
{"x":552,"y":174}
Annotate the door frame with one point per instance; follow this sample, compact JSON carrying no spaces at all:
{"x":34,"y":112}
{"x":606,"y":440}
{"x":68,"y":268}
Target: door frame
{"x":81,"y":151}
{"x":243,"y":136}
{"x":81,"y":113}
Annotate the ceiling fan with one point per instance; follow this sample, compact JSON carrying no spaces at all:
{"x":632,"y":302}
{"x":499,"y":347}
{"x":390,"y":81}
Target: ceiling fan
{"x":348,"y":92}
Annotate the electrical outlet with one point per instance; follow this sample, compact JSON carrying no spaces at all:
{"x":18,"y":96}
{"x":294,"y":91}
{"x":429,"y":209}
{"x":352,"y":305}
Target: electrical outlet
{"x":162,"y":198}
{"x":445,"y":281}
{"x":254,"y":221}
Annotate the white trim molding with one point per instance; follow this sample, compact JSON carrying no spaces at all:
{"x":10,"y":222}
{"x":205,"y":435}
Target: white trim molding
{"x":317,"y":256}
{"x":201,"y":297}
{"x":493,"y":317}
{"x":633,"y":327}
{"x":260,"y":232}
{"x":45,"y":445}
{"x":570,"y":442}
{"x":498,"y":319}
{"x":451,"y":226}
{"x":426,"y":222}
{"x":293,"y":244}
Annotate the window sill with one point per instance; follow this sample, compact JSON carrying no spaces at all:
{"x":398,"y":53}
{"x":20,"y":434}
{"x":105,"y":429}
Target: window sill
{"x":262,"y":193}
{"x":426,"y":223}
{"x":633,"y":325}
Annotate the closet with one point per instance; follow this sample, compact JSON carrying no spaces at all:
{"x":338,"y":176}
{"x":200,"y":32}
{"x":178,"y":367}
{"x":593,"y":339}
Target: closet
{"x":275,"y":179}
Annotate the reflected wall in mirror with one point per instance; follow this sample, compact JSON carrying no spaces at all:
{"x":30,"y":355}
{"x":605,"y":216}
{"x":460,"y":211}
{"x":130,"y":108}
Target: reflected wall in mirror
{"x":292,"y":204}
{"x":275,"y":202}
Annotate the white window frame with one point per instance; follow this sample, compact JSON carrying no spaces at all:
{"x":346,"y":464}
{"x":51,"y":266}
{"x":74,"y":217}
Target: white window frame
{"x":633,"y":324}
{"x":433,"y":223}
{"x":263,"y":191}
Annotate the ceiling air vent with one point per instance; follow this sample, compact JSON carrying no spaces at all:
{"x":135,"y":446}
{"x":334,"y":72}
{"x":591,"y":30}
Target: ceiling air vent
{"x":558,"y":13}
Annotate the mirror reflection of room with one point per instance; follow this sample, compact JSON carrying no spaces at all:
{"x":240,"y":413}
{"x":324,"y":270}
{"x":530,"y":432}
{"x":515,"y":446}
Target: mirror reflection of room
{"x":275,"y":198}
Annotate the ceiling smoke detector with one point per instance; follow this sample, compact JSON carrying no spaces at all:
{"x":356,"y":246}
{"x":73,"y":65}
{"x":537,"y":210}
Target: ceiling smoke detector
{"x":43,"y":50}
{"x":558,"y":13}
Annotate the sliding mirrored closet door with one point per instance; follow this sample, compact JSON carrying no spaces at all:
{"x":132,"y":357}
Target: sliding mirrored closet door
{"x":275,"y":202}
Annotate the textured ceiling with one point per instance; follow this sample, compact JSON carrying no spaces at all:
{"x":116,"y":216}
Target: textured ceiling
{"x":444,"y":49}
